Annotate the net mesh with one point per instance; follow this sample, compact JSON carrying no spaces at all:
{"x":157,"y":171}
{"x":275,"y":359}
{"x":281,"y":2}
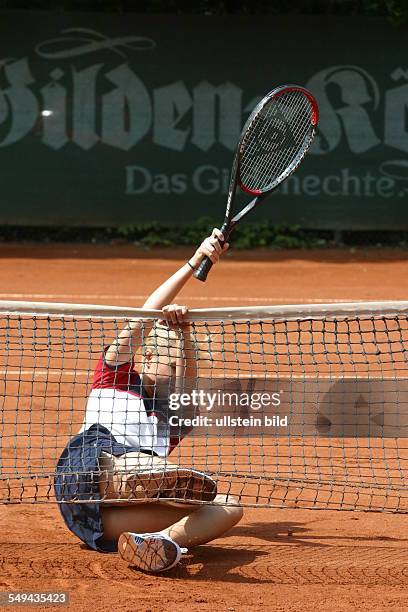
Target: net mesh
{"x":338,"y":381}
{"x":276,"y":141}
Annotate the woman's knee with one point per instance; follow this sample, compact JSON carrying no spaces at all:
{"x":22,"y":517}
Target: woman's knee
{"x":230,"y":504}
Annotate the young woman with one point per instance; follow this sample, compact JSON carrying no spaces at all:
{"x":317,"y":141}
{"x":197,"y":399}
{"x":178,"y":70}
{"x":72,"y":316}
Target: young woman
{"x":113,"y":479}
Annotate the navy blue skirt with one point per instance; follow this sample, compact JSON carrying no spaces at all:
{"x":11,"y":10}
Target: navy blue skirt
{"x":76,"y":479}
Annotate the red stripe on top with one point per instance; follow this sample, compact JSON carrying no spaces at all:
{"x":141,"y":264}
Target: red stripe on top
{"x":119,"y":377}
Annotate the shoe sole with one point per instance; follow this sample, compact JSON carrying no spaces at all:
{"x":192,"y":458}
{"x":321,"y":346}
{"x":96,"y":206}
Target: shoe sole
{"x":177,"y":484}
{"x":154,"y":554}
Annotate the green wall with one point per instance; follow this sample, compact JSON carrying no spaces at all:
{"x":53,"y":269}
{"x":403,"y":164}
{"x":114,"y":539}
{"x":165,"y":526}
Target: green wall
{"x":111,"y":120}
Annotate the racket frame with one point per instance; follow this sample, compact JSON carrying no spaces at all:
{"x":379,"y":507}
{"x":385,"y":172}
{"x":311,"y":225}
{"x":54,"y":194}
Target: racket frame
{"x":235,"y":179}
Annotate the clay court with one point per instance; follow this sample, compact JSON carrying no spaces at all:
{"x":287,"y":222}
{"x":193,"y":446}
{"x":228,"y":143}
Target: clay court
{"x":276,"y":559}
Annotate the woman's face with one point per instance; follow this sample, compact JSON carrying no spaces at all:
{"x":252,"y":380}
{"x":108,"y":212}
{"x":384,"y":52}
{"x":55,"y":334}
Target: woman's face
{"x":159,"y":372}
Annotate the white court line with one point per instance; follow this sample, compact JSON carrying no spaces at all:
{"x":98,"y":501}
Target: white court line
{"x":278,"y":376}
{"x":98,"y":296}
{"x":47,"y":373}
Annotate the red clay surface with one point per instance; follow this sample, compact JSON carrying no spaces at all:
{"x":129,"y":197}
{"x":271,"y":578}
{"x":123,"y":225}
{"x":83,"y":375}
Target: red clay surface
{"x":284,"y":560}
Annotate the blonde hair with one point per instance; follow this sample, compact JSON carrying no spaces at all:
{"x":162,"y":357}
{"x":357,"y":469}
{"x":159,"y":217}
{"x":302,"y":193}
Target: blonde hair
{"x":163,"y":341}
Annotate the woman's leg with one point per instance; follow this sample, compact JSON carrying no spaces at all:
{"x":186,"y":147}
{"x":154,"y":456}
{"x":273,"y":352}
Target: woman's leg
{"x":141,"y":517}
{"x":171,"y":525}
{"x":185,"y":524}
{"x":139,"y":476}
{"x":206,"y":523}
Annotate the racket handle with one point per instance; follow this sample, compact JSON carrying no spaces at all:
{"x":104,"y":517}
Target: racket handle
{"x":205,"y":266}
{"x":203,"y":269}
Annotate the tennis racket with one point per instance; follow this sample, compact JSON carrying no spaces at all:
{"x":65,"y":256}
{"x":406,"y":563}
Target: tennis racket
{"x":273,"y":142}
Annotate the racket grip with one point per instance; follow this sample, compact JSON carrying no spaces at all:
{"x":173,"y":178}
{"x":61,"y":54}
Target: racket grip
{"x":205,"y":266}
{"x":203,"y":269}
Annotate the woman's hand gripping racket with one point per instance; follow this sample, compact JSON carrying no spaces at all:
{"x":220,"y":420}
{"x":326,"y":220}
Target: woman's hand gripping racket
{"x":273,"y":142}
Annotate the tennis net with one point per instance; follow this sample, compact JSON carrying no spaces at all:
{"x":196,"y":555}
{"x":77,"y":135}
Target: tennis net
{"x":306,"y":405}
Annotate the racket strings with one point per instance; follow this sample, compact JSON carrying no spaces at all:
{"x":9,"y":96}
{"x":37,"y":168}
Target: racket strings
{"x":293,"y":115}
{"x":286,"y":120}
{"x":274,"y":164}
{"x":299,"y":129}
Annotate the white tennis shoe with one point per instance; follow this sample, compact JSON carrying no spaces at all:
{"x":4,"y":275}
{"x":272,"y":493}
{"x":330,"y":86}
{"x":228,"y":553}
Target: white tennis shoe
{"x":151,"y":552}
